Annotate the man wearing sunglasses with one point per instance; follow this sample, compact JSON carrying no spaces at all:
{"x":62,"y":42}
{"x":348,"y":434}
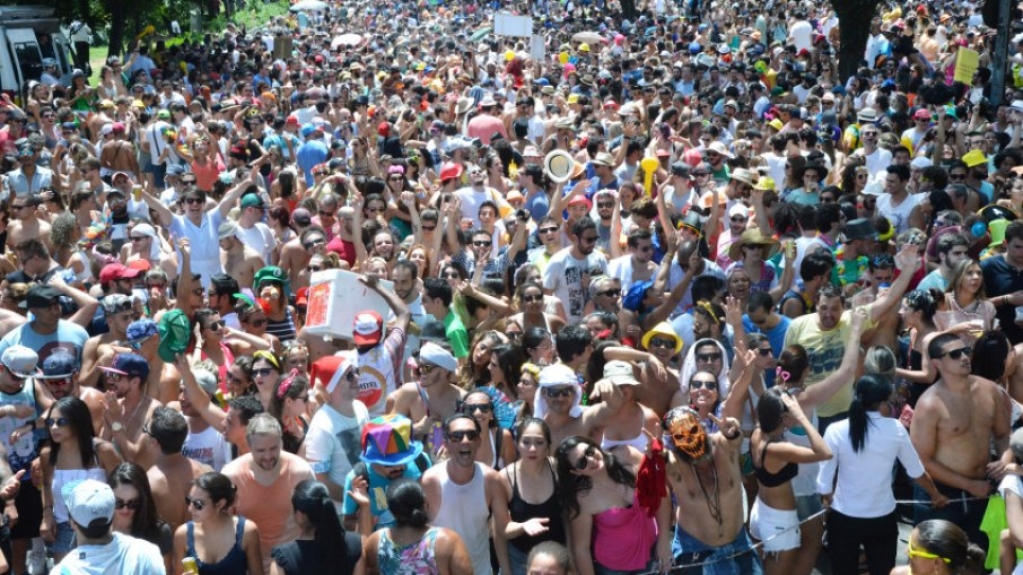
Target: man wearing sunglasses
{"x":463,"y":495}
{"x":952,"y":418}
{"x":636,"y":266}
{"x":559,"y":403}
{"x":60,"y":375}
{"x":431,"y":399}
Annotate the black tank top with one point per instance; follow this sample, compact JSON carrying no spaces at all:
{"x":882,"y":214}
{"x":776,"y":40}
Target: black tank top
{"x":521,"y":511}
{"x":769,"y":479}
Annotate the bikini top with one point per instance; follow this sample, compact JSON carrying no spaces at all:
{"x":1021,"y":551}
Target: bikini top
{"x":768,"y":479}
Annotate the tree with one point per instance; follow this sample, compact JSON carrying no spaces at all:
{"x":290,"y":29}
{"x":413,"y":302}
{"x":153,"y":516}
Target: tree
{"x":854,"y":22}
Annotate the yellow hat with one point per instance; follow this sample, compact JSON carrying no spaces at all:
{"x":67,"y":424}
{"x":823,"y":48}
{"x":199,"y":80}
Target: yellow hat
{"x":584,"y":47}
{"x":137,"y":104}
{"x":776,"y":124}
{"x":573,"y":98}
{"x":663,"y":328}
{"x":974,"y":158}
{"x":765,"y":183}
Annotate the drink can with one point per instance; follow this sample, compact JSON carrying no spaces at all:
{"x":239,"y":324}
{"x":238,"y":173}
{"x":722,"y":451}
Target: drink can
{"x":189,"y":566}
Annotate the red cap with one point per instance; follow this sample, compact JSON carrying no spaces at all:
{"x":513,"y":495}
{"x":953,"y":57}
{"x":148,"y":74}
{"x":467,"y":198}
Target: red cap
{"x":581,"y":200}
{"x":302,"y":296}
{"x":318,"y":59}
{"x":116,"y":271}
{"x":368,"y":328}
{"x":118,"y":127}
{"x":141,"y":265}
{"x":384,"y":129}
{"x":292,"y":121}
{"x":922,"y":114}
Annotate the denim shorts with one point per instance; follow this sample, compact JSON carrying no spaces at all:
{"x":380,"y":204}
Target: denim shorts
{"x":65,"y":540}
{"x":735,"y":558}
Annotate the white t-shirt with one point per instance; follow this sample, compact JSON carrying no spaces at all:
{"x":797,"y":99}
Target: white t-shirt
{"x":569,"y":279}
{"x":260,"y":238}
{"x":802,"y":35}
{"x":333,"y":443}
{"x":124,"y":555}
{"x":208,"y":447}
{"x":898,"y":216}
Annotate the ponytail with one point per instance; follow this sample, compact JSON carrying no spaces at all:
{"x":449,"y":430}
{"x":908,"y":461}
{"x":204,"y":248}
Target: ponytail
{"x":330,"y":535}
{"x":871,"y":390}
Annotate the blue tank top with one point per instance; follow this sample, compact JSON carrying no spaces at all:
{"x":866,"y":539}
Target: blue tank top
{"x":234,"y":563}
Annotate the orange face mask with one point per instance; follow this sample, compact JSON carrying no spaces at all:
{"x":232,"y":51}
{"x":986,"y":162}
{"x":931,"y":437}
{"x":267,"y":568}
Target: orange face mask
{"x":687,"y":433}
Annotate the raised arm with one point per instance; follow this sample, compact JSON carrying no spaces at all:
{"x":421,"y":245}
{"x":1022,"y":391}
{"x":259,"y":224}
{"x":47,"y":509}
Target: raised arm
{"x":908,"y":260}
{"x":163,"y":214}
{"x":87,"y":304}
{"x":232,"y":196}
{"x":400,"y":309}
{"x":819,"y":393}
{"x":197,"y":398}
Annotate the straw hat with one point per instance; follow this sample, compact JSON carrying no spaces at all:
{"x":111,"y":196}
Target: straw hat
{"x":752,"y":237}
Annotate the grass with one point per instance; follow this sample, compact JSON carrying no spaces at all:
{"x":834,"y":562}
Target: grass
{"x":256,"y":13}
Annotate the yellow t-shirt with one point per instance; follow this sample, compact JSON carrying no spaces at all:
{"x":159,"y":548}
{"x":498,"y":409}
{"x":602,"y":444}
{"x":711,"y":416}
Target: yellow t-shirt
{"x":825,"y":350}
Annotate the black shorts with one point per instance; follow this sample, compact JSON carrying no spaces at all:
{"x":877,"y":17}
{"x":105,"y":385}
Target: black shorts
{"x":29,"y":504}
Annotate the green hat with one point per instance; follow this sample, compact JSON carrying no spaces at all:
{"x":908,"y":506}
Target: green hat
{"x":271,"y":274}
{"x":175,"y":331}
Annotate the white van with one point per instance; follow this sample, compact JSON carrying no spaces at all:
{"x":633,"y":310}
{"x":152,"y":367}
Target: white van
{"x":27,"y":35}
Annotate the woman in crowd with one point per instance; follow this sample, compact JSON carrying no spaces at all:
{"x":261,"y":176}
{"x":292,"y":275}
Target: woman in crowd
{"x":323,"y":546}
{"x":280,"y":317}
{"x":253,"y":321}
{"x":610,"y":530}
{"x":266,"y":372}
{"x":289,"y":404}
{"x":526,"y":388}
{"x":776,"y":463}
{"x":505,"y":363}
{"x":531,"y":305}
{"x":412,"y":546}
{"x":862,"y":502}
{"x":135,"y":509}
{"x":73,"y":455}
{"x":219,"y":541}
{"x":941,"y":547}
{"x":533,"y":502}
{"x":966,"y":306}
{"x":918,"y":310}
{"x":538,"y":343}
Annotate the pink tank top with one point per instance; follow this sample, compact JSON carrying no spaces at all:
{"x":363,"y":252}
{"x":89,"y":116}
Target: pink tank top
{"x":222,"y":369}
{"x":623,"y":537}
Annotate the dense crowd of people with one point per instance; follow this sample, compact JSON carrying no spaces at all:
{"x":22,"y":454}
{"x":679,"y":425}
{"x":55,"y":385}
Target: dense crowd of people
{"x":668,"y":295}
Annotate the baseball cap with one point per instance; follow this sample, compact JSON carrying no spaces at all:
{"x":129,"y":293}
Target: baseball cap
{"x":129,"y":364}
{"x":368,"y":328}
{"x":20,"y":360}
{"x":175,"y":331}
{"x":40,"y":296}
{"x":141,"y":330}
{"x":91,"y":501}
{"x":619,"y":373}
{"x":59,"y":365}
{"x":116,"y":271}
{"x":252,"y":201}
{"x":116,"y":303}
{"x":227,"y":230}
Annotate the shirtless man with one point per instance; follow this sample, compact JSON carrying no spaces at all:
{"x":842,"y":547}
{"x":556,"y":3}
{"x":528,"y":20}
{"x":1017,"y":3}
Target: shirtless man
{"x":239,"y":260}
{"x":432,"y":399}
{"x":705,"y":475}
{"x":118,"y":154}
{"x":25,"y":224}
{"x":128,"y":408}
{"x":295,"y":255}
{"x":172,"y":473}
{"x":559,"y":404}
{"x":164,"y":379}
{"x":101,"y":349}
{"x":954,"y":423}
{"x":60,"y":375}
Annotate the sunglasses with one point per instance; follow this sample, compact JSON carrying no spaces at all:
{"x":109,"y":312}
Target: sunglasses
{"x":957,"y":353}
{"x":584,"y":461}
{"x":133,"y":504}
{"x":605,"y":204}
{"x":470,"y":408}
{"x":313,"y":243}
{"x":138,"y":238}
{"x":708,"y":357}
{"x":217,"y":325}
{"x":532,"y":298}
{"x":482,"y":244}
{"x":316,"y":268}
{"x":193,"y":201}
{"x":460,"y":436}
{"x":197,"y":503}
{"x":61,"y":382}
{"x":548,"y":230}
{"x":261,"y":322}
{"x":427,"y":368}
{"x":662,"y":342}
{"x":915,"y":553}
{"x":955,"y":177}
{"x":703,"y":384}
{"x":764,"y":351}
{"x":556,"y":392}
{"x":59,"y":422}
{"x":263,"y":372}
{"x":738,"y":219}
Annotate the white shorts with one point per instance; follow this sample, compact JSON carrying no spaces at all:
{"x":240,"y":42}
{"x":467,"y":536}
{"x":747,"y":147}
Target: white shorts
{"x":777,"y":528}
